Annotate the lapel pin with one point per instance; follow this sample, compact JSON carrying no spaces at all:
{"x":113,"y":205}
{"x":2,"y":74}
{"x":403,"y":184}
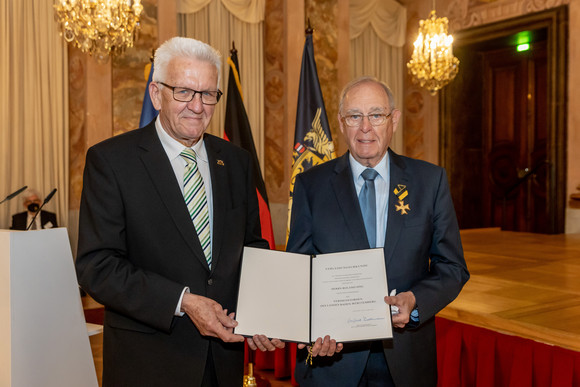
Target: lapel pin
{"x":220,"y":162}
{"x":401,"y":192}
{"x":402,"y":207}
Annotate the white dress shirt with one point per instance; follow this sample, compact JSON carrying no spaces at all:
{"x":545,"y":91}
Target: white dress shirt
{"x":173,"y":149}
{"x":37,"y":221}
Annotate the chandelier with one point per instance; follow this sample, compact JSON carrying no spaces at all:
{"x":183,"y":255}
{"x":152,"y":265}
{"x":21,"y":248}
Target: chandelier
{"x":432,"y":64}
{"x":99,"y":27}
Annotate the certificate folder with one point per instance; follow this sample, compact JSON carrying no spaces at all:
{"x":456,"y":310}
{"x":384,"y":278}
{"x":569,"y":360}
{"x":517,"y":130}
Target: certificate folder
{"x":298,"y":298}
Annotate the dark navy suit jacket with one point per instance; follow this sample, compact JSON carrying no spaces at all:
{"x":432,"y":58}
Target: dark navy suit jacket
{"x":423,"y":254}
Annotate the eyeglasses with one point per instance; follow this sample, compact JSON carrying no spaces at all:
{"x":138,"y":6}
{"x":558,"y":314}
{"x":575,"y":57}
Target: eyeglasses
{"x":375,"y":119}
{"x":183,"y":94}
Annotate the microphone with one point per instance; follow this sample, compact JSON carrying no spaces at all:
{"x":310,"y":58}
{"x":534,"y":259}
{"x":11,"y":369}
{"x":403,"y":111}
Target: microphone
{"x":14,"y":194}
{"x":49,"y":196}
{"x":46,"y":200}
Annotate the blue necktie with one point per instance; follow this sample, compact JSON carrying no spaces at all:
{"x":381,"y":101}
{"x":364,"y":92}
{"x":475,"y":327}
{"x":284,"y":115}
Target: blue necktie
{"x":367,"y":200}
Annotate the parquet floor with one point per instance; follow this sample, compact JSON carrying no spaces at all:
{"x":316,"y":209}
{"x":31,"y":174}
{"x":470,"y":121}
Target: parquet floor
{"x":521,"y":284}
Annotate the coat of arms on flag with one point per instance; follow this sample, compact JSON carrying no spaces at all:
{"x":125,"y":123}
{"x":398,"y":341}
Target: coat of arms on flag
{"x":312,"y":139}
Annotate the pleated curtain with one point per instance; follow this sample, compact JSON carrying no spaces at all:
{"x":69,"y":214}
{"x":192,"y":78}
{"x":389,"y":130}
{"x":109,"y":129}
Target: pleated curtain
{"x":34,"y":141}
{"x":218,"y":23}
{"x":377,"y":37}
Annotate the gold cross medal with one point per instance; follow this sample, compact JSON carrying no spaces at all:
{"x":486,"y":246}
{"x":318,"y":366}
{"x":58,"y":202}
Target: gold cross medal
{"x":401,"y":193}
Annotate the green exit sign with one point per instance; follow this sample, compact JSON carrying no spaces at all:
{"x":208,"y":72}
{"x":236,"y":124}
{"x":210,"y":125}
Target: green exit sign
{"x":523,"y":47}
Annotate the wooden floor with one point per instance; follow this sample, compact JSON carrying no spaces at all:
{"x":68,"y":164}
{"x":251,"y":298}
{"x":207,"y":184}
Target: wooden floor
{"x":521,"y":284}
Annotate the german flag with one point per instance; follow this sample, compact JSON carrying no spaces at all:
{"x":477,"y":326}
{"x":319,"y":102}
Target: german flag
{"x":237,"y":130}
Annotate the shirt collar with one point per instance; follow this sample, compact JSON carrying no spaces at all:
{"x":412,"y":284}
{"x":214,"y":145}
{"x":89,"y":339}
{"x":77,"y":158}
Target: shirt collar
{"x":357,"y":168}
{"x":173,"y":147}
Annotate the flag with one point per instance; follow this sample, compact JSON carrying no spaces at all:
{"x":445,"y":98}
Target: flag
{"x":312,"y":138}
{"x":237,"y":131}
{"x":148,"y":112}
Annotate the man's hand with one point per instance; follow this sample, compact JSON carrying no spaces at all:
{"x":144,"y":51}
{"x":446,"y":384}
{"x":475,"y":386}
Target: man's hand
{"x":405,"y":301}
{"x":210,"y":318}
{"x":262,"y":343}
{"x":324,"y":347}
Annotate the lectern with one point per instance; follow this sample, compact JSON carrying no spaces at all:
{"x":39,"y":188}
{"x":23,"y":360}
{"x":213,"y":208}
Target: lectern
{"x":43,"y":336}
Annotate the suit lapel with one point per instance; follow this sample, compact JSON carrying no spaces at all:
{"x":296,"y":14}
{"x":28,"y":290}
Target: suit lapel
{"x":161,"y":173}
{"x":348,"y":202}
{"x":219,"y":184}
{"x":395,"y":222}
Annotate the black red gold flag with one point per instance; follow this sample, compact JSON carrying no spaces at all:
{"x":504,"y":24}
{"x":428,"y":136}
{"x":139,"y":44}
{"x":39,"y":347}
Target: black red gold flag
{"x":237,"y":130}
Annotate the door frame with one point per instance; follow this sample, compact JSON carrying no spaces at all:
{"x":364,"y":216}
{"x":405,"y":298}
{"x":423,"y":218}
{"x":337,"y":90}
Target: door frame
{"x":555,"y":21}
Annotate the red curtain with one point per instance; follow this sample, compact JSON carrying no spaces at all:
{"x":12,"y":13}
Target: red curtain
{"x":474,"y":357}
{"x":478,"y":357}
{"x":282,"y":361}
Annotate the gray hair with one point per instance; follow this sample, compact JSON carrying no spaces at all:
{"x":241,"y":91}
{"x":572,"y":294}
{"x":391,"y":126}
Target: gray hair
{"x":180,"y":47}
{"x":28,"y":193}
{"x":366,"y":79}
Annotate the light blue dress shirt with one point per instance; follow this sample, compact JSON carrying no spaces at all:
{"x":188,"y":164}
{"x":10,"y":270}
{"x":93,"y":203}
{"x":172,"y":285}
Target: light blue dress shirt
{"x":381,"y":191}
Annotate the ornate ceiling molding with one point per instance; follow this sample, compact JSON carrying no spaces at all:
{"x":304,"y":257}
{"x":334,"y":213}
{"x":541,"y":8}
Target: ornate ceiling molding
{"x":464,"y":14}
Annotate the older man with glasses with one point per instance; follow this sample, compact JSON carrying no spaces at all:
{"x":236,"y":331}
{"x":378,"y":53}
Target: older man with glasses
{"x":165,"y":213}
{"x":372,"y":197}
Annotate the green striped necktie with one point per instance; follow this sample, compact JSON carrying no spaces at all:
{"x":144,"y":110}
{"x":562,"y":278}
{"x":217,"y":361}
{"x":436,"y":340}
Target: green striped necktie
{"x":194,"y":194}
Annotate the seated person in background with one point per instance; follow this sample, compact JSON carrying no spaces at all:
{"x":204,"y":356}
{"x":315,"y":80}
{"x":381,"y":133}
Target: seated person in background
{"x":31,"y":202}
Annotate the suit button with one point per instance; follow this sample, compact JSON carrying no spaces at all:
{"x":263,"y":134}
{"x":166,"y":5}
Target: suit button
{"x":210,"y":282}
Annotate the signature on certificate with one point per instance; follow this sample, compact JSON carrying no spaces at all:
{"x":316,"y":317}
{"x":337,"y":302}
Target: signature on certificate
{"x":355,"y":320}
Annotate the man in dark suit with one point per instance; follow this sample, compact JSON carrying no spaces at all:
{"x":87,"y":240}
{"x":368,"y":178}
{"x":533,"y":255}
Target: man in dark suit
{"x":415,"y":224}
{"x":167,"y":271}
{"x":31,"y":202}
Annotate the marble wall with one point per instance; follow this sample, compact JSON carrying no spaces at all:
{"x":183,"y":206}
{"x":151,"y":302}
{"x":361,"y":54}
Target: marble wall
{"x":323,"y":15}
{"x":105,"y":99}
{"x":275,"y":139}
{"x":122,"y":83}
{"x":129,"y":78}
{"x":285,"y":26}
{"x":77,"y":63}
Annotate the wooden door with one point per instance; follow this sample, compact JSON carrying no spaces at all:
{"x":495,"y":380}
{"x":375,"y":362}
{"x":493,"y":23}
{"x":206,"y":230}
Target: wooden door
{"x":515,"y":146}
{"x":505,"y":112}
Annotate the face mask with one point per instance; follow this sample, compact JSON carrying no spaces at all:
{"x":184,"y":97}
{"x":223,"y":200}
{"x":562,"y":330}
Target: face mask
{"x":33,"y":207}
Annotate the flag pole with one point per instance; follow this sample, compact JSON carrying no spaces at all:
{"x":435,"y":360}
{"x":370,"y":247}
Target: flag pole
{"x":249,"y":378}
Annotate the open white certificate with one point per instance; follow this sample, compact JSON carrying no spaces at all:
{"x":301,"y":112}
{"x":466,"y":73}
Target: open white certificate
{"x":295,"y":297}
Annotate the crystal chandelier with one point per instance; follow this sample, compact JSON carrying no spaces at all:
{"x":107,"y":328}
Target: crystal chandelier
{"x":432,"y":64}
{"x":99,"y":27}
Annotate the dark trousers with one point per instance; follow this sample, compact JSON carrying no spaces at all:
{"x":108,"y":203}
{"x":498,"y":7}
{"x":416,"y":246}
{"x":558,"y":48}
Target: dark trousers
{"x":377,"y":372}
{"x":209,"y":375}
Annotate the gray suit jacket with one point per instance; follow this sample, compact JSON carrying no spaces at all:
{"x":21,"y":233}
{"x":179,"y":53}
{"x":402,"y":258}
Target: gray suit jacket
{"x":138,"y":249}
{"x":423,"y":254}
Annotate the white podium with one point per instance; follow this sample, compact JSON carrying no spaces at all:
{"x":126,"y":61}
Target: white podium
{"x":43,"y":336}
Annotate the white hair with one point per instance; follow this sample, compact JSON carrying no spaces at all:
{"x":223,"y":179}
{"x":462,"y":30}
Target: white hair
{"x":366,"y":79}
{"x":28,"y":193}
{"x":180,"y":47}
